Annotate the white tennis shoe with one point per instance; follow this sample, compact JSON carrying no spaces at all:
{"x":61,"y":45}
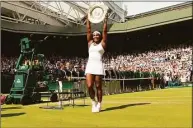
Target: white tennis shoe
{"x":94,"y":106}
{"x":98,"y":107}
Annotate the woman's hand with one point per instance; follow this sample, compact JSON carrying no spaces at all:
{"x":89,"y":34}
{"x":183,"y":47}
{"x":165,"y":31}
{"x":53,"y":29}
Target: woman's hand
{"x":106,"y":16}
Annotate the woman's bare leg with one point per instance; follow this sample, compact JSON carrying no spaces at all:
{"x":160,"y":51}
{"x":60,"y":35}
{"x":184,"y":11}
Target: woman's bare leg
{"x":98,"y":82}
{"x":90,"y":84}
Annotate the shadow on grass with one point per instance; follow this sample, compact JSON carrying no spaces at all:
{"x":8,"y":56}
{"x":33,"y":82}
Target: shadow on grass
{"x":123,"y":106}
{"x":78,"y":105}
{"x":2,"y":109}
{"x":41,"y":102}
{"x":12,"y":114}
{"x":64,"y":105}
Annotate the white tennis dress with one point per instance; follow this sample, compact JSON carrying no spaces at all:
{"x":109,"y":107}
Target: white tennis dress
{"x":95,"y":65}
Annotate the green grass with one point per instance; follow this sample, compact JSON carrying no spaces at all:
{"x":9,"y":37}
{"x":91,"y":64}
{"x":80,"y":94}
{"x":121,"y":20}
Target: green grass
{"x":159,"y":108}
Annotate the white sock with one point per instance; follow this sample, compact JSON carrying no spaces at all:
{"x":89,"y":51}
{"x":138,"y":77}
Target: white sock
{"x":93,"y":102}
{"x":99,"y":104}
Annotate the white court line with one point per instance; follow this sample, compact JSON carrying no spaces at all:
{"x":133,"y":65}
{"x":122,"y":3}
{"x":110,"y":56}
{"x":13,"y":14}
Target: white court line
{"x":152,"y":102}
{"x":130,"y":100}
{"x":128,"y":97}
{"x":141,"y":102}
{"x":88,"y":102}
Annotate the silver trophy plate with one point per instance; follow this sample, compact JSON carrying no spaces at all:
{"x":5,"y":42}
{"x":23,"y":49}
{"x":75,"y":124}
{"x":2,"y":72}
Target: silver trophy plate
{"x":96,"y":13}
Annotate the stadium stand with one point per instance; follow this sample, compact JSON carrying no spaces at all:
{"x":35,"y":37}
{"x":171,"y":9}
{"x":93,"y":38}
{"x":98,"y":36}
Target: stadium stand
{"x":144,"y":46}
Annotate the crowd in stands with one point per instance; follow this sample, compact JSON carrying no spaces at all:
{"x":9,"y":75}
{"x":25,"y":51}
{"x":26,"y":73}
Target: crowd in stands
{"x":170,"y":63}
{"x":8,"y":64}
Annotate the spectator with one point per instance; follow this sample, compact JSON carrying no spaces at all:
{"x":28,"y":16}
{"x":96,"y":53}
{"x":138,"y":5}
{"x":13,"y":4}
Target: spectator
{"x":173,"y":61}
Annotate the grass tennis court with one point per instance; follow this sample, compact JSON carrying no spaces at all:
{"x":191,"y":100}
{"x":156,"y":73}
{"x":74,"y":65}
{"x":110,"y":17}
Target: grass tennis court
{"x":159,"y":108}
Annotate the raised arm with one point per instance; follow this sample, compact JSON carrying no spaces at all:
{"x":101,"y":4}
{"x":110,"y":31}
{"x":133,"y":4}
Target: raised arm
{"x":104,"y":35}
{"x":89,"y":34}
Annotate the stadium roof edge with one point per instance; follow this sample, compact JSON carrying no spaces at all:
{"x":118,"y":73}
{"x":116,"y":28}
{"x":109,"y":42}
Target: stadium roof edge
{"x":160,"y":10}
{"x":162,"y":18}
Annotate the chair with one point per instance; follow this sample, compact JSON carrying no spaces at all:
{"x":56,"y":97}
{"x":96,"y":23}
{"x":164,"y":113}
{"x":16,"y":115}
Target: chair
{"x":73,"y":88}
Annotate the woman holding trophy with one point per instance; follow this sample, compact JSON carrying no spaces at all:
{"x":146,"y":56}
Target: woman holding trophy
{"x":94,"y":68}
